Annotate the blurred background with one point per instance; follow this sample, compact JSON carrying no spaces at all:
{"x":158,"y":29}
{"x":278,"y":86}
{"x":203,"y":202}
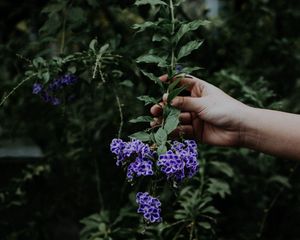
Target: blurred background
{"x":55,"y":164}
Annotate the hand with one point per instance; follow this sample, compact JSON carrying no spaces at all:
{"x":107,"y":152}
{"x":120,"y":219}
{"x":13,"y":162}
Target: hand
{"x":208,"y":114}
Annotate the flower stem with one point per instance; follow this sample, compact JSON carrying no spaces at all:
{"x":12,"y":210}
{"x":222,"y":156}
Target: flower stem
{"x":15,"y":88}
{"x":172,"y":33}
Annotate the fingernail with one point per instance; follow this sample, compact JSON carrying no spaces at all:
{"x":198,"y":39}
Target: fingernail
{"x":165,"y":97}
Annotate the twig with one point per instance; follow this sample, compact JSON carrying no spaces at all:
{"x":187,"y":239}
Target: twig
{"x":121,"y":113}
{"x":15,"y":88}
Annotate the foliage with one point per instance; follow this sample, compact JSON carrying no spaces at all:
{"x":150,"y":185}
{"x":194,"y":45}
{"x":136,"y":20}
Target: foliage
{"x":251,"y":51}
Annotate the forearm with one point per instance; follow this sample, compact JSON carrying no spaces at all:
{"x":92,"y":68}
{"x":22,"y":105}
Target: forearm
{"x":272,"y":132}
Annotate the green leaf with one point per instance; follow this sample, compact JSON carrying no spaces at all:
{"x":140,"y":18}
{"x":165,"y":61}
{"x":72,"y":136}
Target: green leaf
{"x":222,"y":167}
{"x":147,"y":99}
{"x":151,"y":2}
{"x":217,"y":186}
{"x":103,"y":49}
{"x":127,"y":83}
{"x":141,"y":27}
{"x":152,"y":59}
{"x":191,"y":69}
{"x":174,"y":84}
{"x":282,"y":180}
{"x":46,"y":76}
{"x":143,"y":136}
{"x":159,"y":38}
{"x":153,"y":78}
{"x":188,"y":48}
{"x":141,"y":119}
{"x":175,"y":93}
{"x":56,"y":7}
{"x":161,"y":149}
{"x":172,"y":120}
{"x":191,"y":26}
{"x":211,"y":210}
{"x":93,"y":44}
{"x":205,"y":225}
{"x":161,"y":136}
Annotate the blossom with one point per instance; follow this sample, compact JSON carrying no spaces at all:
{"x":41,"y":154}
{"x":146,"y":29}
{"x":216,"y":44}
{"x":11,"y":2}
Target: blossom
{"x":180,"y":161}
{"x":140,"y":167}
{"x":116,"y":147}
{"x":49,"y":94}
{"x":149,"y":206}
{"x":37,"y":88}
{"x":135,"y":151}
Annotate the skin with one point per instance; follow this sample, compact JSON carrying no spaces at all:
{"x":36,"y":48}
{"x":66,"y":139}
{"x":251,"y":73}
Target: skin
{"x":212,"y":117}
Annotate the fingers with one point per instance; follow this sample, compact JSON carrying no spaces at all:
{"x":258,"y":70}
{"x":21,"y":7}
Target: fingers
{"x":184,"y":119}
{"x":188,"y":104}
{"x":157,"y":109}
{"x":188,"y":80}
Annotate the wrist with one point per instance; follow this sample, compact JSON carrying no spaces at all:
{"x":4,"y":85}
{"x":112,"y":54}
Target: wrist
{"x":249,"y":135}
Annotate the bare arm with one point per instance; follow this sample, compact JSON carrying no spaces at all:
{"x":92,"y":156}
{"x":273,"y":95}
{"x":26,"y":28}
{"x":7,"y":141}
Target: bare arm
{"x":272,"y":132}
{"x":213,"y":117}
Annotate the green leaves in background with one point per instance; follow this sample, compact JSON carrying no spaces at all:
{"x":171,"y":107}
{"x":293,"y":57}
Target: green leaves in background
{"x":188,"y":48}
{"x":151,"y":2}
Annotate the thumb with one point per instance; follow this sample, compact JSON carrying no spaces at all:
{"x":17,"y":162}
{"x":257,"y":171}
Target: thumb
{"x":188,"y":104}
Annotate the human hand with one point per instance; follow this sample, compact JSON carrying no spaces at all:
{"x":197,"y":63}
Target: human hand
{"x":208,"y":114}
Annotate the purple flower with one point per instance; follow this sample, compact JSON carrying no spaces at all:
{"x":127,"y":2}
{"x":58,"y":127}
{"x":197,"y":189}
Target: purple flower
{"x":149,"y":207}
{"x":140,"y":167}
{"x":37,"y":88}
{"x":117,"y":146}
{"x":178,"y":69}
{"x":65,"y":80}
{"x":180,"y":161}
{"x":55,"y":101}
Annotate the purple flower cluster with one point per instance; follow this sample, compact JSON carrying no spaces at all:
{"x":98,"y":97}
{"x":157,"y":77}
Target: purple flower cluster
{"x":48,"y":93}
{"x":149,"y":207}
{"x":137,"y":150}
{"x":180,"y":161}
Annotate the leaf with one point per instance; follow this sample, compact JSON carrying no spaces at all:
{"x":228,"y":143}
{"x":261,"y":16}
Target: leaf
{"x":188,"y":48}
{"x":159,"y":38}
{"x":172,"y":120}
{"x":143,"y":136}
{"x":151,"y":2}
{"x":152,"y":59}
{"x":93,"y":44}
{"x":141,"y":27}
{"x":223,"y":167}
{"x":103,"y":49}
{"x":191,"y":26}
{"x":56,"y":7}
{"x":217,"y":186}
{"x":127,"y":83}
{"x":141,"y":119}
{"x":161,"y":149}
{"x":205,"y":225}
{"x":191,"y":69}
{"x":282,"y":180}
{"x":147,"y":99}
{"x":175,"y":93}
{"x":153,"y":78}
{"x":161,"y":136}
{"x":211,"y":210}
{"x":174,"y":84}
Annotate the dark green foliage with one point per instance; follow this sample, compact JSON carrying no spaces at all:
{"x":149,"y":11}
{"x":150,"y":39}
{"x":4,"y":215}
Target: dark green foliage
{"x":251,"y":51}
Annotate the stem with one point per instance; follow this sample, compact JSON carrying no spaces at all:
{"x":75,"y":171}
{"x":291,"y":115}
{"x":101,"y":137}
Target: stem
{"x":172,"y":33}
{"x":101,"y":202}
{"x":15,"y":88}
{"x":121,"y":113}
{"x":63,"y":34}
